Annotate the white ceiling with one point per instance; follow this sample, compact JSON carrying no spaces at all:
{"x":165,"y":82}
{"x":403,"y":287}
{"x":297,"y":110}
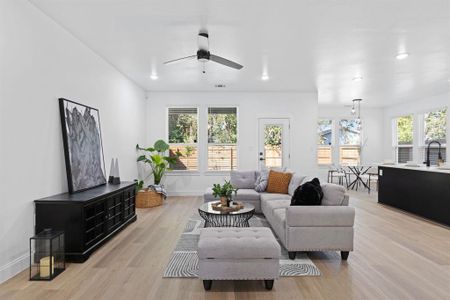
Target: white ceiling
{"x":305,"y":45}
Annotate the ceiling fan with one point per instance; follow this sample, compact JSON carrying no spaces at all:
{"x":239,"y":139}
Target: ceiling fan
{"x":203,"y":55}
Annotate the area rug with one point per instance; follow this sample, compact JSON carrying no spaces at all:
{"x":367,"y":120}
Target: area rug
{"x":184,"y":260}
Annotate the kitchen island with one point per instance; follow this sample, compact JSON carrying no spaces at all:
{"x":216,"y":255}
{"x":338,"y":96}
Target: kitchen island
{"x":424,"y":191}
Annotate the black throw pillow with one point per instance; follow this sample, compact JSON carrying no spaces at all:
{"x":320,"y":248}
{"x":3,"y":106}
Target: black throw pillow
{"x":309,"y":193}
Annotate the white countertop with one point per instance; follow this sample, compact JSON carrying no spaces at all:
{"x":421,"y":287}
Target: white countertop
{"x":419,"y":168}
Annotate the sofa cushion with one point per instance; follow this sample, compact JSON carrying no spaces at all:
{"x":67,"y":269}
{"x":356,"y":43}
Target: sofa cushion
{"x":278,"y":182}
{"x":280,"y":216}
{"x":296,"y":181}
{"x":243,"y":179}
{"x":267,"y":197}
{"x":333,"y":194}
{"x":273,"y":196}
{"x":278,"y":223}
{"x":274,"y":204}
{"x":246,"y":194}
{"x":270,"y":206}
{"x":238,"y":243}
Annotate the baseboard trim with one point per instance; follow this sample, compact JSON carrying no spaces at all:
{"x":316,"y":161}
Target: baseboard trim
{"x":14,"y":267}
{"x":192,"y":193}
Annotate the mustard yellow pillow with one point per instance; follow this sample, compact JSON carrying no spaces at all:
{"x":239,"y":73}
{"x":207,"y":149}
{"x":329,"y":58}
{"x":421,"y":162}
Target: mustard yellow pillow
{"x":278,"y":182}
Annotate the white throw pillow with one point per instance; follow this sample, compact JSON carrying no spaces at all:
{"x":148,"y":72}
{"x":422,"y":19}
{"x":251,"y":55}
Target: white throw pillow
{"x":296,"y":181}
{"x":262,"y":180}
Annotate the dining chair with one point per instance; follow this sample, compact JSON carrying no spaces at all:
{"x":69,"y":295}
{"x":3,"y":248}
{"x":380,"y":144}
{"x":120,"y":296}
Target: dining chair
{"x":339,"y":173}
{"x":369,"y":177}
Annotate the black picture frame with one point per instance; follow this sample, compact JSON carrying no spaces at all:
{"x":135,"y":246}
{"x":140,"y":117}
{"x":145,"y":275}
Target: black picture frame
{"x":73,"y":164}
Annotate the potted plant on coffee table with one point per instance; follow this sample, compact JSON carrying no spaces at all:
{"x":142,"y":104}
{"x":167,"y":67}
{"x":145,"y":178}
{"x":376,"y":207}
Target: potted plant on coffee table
{"x":159,"y":163}
{"x":223,"y":192}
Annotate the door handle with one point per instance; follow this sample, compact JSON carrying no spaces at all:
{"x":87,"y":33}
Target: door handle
{"x":262,"y":158}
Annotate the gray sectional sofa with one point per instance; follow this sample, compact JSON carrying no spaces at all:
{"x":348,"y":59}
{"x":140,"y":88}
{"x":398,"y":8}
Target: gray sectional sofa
{"x":328,"y":227}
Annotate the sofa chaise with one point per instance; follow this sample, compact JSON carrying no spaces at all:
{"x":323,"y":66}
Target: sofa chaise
{"x":328,"y":227}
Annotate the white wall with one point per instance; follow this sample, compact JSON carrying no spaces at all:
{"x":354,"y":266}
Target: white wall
{"x":39,"y":62}
{"x":415,"y":108}
{"x":301,"y":108}
{"x":372,"y":132}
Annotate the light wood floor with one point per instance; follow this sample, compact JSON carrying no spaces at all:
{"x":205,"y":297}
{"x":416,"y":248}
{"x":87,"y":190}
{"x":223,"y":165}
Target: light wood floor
{"x":397,"y":256}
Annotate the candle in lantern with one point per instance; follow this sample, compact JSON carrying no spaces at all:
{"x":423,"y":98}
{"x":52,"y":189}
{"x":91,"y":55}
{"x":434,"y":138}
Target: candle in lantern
{"x":44,"y":266}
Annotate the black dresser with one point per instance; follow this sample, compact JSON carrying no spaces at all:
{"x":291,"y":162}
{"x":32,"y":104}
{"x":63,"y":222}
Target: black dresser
{"x":88,"y":218}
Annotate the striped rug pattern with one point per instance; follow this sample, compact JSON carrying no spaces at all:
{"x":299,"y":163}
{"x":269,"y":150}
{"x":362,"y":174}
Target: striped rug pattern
{"x":184,"y":260}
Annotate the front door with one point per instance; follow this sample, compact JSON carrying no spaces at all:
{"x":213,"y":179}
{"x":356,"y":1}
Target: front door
{"x":273,"y":149}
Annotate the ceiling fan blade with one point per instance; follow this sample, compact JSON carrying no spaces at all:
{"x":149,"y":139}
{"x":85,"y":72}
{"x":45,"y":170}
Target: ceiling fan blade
{"x":225,"y":62}
{"x":180,"y":59}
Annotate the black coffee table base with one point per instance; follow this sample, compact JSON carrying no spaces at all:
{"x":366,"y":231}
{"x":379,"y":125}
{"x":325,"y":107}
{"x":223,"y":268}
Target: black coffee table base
{"x":226,"y":220}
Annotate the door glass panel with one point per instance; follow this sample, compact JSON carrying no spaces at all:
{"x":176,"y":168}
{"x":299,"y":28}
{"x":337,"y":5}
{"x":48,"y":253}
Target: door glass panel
{"x":273,"y":145}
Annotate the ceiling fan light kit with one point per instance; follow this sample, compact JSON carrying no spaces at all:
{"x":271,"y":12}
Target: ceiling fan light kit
{"x":204,"y":55}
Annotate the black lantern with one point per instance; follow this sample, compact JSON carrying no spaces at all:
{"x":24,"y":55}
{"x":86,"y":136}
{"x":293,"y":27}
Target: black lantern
{"x":47,"y":257}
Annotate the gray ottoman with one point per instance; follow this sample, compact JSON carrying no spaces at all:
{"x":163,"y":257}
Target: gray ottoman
{"x":238,"y":254}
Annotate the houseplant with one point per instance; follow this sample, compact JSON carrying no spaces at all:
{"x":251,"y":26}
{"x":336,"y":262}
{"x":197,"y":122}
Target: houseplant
{"x":157,"y":160}
{"x":159,"y":164}
{"x":223,"y":192}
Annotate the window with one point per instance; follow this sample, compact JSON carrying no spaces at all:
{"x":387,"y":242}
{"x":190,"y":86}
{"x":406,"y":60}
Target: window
{"x":435,"y":129}
{"x":273,"y":146}
{"x":435,"y":126}
{"x":222,"y":138}
{"x":349,"y":141}
{"x":403,"y":140}
{"x":183,"y":135}
{"x":324,"y":142}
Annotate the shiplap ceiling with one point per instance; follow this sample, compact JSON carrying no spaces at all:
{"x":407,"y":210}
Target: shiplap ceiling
{"x":304,"y":45}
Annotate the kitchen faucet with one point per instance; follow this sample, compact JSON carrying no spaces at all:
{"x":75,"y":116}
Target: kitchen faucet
{"x":428,"y":162}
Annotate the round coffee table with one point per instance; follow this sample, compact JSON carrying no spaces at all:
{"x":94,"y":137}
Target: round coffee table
{"x":214,"y":218}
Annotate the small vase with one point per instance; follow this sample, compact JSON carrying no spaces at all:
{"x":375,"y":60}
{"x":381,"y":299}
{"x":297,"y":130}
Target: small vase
{"x":223,"y":201}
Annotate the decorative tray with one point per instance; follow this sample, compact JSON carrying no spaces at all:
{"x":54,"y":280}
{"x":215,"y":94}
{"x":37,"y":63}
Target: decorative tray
{"x":227,"y":209}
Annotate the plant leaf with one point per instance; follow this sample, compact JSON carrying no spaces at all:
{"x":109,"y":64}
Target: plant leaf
{"x":141,"y":158}
{"x":170,"y":160}
{"x":161,"y":146}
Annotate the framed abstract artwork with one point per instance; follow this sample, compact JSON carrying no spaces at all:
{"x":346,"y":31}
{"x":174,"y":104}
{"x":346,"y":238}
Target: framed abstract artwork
{"x":83,"y":147}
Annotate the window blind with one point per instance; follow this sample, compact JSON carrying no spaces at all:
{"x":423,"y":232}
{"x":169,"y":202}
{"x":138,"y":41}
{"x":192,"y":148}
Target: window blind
{"x":222,"y":110}
{"x":404,"y":154}
{"x":182,"y":110}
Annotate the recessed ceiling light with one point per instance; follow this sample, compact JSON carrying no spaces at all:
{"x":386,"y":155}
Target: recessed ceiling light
{"x":265,"y":77}
{"x":357,"y":78}
{"x":401,"y":56}
{"x":154,"y":76}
